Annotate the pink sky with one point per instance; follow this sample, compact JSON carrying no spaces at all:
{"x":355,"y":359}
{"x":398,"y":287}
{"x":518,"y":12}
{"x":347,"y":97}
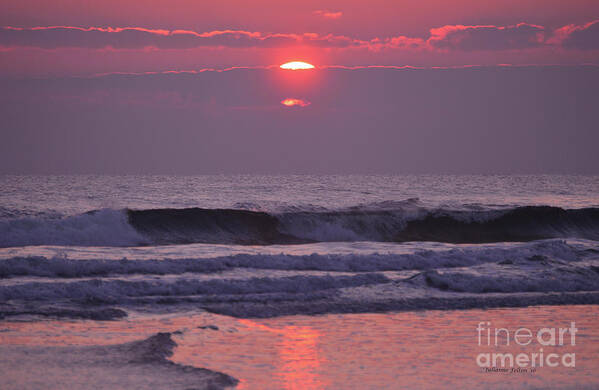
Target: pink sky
{"x":74,"y":38}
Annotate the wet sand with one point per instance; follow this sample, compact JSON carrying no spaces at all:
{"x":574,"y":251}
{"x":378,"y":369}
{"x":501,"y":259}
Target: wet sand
{"x":424,"y":349}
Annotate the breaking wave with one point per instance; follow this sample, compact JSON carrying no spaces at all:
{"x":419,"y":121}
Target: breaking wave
{"x":400,"y":222}
{"x":97,"y":228}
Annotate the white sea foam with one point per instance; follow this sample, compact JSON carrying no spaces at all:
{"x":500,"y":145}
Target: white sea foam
{"x":501,"y":279}
{"x":341,"y":277}
{"x":329,"y":258}
{"x":104,"y":227}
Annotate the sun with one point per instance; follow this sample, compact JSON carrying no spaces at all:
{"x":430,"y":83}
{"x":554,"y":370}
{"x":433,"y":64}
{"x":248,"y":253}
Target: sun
{"x":290,"y":102}
{"x":297,"y":65}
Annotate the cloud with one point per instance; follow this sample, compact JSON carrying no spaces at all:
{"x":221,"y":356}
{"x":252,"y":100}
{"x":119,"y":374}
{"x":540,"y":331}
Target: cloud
{"x":403,"y":42}
{"x":328,"y":14}
{"x":472,"y":38}
{"x":521,"y":36}
{"x":138,"y":38}
{"x":583,"y":37}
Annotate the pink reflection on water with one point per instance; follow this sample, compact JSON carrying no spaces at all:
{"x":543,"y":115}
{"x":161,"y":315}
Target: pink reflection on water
{"x":425,"y":350}
{"x":300,"y":359}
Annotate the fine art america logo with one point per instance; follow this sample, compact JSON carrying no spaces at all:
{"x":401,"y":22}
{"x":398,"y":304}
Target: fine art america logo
{"x":522,"y":338}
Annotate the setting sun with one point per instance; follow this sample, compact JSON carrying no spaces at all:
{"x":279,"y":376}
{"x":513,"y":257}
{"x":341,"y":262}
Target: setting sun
{"x":289,"y":102}
{"x":297,"y":65}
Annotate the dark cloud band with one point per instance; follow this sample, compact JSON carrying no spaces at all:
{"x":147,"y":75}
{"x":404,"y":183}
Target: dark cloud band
{"x":451,"y":37}
{"x":136,"y":38}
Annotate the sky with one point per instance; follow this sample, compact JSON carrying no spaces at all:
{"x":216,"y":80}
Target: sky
{"x":194,"y":87}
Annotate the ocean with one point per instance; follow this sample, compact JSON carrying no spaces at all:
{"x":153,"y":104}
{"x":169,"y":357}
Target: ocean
{"x":249,"y":247}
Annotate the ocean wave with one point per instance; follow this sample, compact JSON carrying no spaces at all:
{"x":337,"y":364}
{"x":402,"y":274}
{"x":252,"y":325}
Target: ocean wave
{"x":385,"y":222}
{"x":104,"y":227}
{"x":59,"y":267}
{"x":122,"y":291}
{"x":514,"y":280}
{"x":264,"y":285}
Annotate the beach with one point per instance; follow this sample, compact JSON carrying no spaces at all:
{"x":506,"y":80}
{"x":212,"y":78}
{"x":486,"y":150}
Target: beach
{"x":299,"y":195}
{"x":405,"y":350}
{"x":294,"y":282}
